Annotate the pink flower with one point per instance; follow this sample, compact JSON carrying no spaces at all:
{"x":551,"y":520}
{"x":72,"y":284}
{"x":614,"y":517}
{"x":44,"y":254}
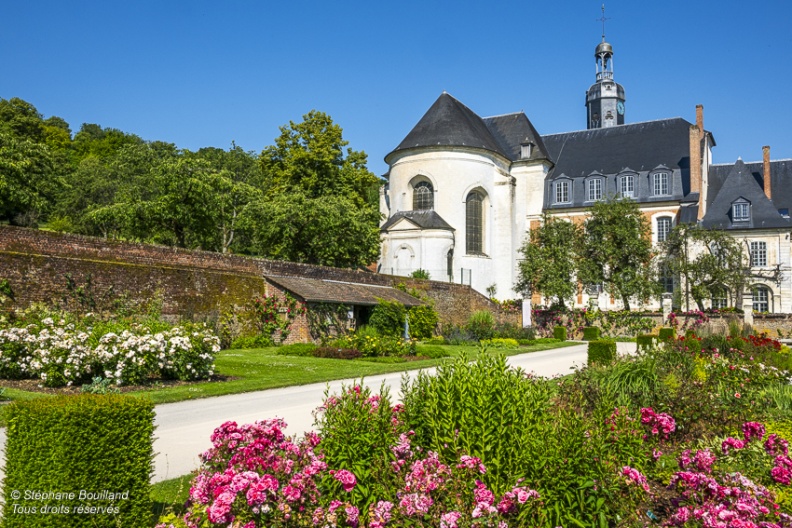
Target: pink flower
{"x":730,"y":443}
{"x":753,"y":430}
{"x":380,"y":514}
{"x":346,"y":478}
{"x":450,"y":519}
{"x":482,"y":494}
{"x":635,"y":477}
{"x":775,"y":445}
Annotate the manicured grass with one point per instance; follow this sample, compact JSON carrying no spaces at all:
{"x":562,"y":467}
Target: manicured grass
{"x":260,"y":369}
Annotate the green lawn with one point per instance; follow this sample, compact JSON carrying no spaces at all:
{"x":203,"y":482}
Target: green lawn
{"x":259,"y":369}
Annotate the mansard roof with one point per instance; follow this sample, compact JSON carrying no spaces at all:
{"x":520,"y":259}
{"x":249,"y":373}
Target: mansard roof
{"x":638,"y":146}
{"x":422,"y":219}
{"x":449,"y":123}
{"x":741,"y":182}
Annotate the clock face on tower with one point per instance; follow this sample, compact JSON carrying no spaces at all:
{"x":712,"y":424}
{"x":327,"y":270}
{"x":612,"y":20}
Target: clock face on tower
{"x":620,"y":108}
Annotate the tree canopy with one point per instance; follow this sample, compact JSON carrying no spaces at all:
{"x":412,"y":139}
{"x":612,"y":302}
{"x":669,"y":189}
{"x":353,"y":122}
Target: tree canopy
{"x":550,"y":259}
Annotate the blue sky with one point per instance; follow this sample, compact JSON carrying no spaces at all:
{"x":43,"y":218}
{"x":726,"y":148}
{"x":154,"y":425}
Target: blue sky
{"x":205,"y":73}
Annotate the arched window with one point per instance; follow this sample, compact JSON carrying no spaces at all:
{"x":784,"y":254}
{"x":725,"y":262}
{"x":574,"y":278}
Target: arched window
{"x":474,"y":225}
{"x":423,"y":196}
{"x":761,"y":299}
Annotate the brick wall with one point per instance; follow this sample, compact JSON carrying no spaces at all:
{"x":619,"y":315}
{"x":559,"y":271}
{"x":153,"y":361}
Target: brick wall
{"x":197,"y":285}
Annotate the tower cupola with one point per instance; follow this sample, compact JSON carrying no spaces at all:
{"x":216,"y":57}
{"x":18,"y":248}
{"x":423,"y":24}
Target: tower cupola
{"x":605,"y":98}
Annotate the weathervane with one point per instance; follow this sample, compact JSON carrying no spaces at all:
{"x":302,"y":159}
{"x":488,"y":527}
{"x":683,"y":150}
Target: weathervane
{"x":603,"y":19}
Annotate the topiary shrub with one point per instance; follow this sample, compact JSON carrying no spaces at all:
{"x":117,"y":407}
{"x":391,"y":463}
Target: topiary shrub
{"x":560,"y":333}
{"x":645,"y":342}
{"x":431,"y":351}
{"x":591,"y":333}
{"x":500,"y":342}
{"x":666,"y":333}
{"x":601,"y":352}
{"x":77,"y":444}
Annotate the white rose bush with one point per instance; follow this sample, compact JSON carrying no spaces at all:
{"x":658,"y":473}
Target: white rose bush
{"x":62,"y":353}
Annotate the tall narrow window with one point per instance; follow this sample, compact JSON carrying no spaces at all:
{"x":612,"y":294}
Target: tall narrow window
{"x":423,"y":197}
{"x":660,"y":184}
{"x":627,"y":186}
{"x":595,"y":190}
{"x":562,"y":192}
{"x":663,"y":228}
{"x":450,"y":265}
{"x":473,"y":223}
{"x":758,"y":253}
{"x":720,"y":298}
{"x":761,"y":299}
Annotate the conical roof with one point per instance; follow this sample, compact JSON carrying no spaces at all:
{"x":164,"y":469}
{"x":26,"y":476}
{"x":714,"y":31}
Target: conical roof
{"x":449,"y":123}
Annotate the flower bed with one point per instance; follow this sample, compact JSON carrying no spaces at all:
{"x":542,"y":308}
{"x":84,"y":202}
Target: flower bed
{"x":63,"y":353}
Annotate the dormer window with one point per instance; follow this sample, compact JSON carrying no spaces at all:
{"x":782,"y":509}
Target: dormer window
{"x":741,"y":211}
{"x":526,"y":149}
{"x":594,"y":189}
{"x":627,"y":186}
{"x":562,"y":189}
{"x":660,"y":184}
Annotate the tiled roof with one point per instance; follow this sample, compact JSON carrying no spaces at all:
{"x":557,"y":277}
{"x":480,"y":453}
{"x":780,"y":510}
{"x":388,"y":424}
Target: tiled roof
{"x":338,"y":292}
{"x":422,"y":219}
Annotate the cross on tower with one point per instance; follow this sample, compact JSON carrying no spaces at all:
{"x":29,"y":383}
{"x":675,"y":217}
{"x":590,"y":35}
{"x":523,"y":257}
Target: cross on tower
{"x":603,"y":19}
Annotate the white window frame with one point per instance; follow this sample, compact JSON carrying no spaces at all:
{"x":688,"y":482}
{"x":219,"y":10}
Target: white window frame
{"x":758,"y":253}
{"x":741,"y":212}
{"x":761,"y":298}
{"x":664,"y":236}
{"x":557,"y":190}
{"x":627,"y":186}
{"x":594,"y":191}
{"x":720,"y":302}
{"x":661,"y":185}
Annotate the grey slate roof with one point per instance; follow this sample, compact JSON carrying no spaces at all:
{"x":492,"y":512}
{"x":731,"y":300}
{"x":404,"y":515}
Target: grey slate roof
{"x":638,"y":146}
{"x":449,"y":123}
{"x":329,"y":291}
{"x":423,"y":219}
{"x":728,"y":183}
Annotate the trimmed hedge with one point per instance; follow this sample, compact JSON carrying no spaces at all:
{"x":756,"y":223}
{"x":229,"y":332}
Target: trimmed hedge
{"x":645,"y":342}
{"x":601,"y":352}
{"x":297,"y":349}
{"x":591,"y":333}
{"x":337,"y":353}
{"x":666,"y":332}
{"x":78,"y":444}
{"x":560,"y":333}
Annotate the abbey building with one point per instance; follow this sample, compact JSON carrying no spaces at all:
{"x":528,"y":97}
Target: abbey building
{"x":463,"y":191}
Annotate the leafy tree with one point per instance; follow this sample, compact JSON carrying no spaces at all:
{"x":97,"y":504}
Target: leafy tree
{"x":309,"y":158}
{"x":28,"y":180}
{"x":331,"y":231}
{"x":617,"y":251}
{"x":707,"y":261}
{"x":550,"y":260}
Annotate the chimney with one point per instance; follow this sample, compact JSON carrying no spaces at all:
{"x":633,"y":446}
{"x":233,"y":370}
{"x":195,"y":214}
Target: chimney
{"x":766,"y":170}
{"x":695,"y":159}
{"x":700,"y":119}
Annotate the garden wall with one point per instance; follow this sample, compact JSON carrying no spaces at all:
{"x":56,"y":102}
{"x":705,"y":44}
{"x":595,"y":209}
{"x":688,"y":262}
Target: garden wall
{"x":92,"y":272}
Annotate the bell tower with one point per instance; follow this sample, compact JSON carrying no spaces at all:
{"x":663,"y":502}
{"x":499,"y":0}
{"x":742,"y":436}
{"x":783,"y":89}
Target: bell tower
{"x":605,"y":98}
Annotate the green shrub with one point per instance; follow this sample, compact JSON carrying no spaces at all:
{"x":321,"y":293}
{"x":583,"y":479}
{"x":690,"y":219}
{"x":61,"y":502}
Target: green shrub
{"x":498,"y":342}
{"x":439,"y":340}
{"x":431,"y":351}
{"x":100,"y":385}
{"x":645,"y":342}
{"x":526,"y":342}
{"x":601,"y":352}
{"x":481,"y":324}
{"x":423,"y":321}
{"x":546,"y":341}
{"x":457,"y":335}
{"x":420,"y":274}
{"x":388,"y":318}
{"x":256,"y":341}
{"x":84,"y":442}
{"x":560,"y":333}
{"x":513,"y":331}
{"x":666,"y":333}
{"x":337,"y":353}
{"x":591,"y":333}
{"x":297,"y":349}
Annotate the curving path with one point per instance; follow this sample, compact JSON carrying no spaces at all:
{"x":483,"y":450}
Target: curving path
{"x":184,"y":428}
